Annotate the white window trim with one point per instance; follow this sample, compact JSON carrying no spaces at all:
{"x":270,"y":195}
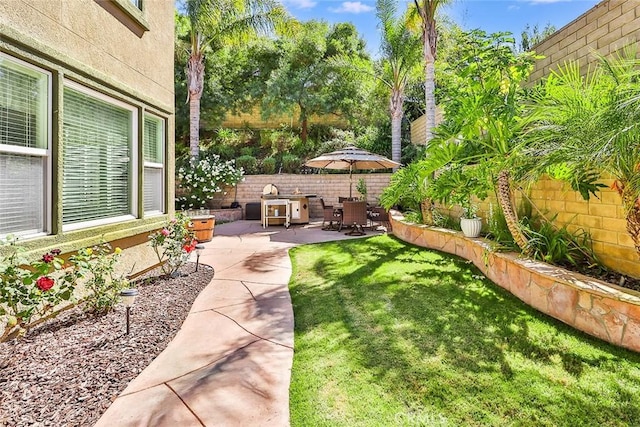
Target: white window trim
{"x":41,"y":152}
{"x":160,"y":166}
{"x":133,"y":185}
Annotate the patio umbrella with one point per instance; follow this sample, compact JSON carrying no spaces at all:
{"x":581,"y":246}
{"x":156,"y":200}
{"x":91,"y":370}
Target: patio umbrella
{"x":352,"y":158}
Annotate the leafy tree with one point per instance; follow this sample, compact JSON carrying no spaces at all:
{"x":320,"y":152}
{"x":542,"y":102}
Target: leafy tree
{"x":306,"y":79}
{"x":212,"y":25}
{"x":484,"y":111}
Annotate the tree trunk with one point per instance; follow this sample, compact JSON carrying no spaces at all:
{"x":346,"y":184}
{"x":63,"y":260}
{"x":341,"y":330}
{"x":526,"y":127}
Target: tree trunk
{"x":395,"y":107}
{"x":195,"y":81}
{"x":304,"y":132}
{"x":429,"y":37}
{"x":504,"y":199}
{"x":632,"y":209}
{"x":426,"y":208}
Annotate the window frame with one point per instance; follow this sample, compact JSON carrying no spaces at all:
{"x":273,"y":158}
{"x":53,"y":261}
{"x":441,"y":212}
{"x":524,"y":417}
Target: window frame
{"x":162,"y":166}
{"x":133,"y":165}
{"x":45,"y":153}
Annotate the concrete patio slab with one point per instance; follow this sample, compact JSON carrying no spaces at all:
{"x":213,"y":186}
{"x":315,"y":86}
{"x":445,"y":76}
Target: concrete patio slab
{"x":230,"y":363}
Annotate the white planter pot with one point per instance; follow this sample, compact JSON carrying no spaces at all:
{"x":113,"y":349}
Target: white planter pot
{"x":471,"y":227}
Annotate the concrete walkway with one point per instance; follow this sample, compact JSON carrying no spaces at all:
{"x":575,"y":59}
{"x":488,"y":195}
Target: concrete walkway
{"x":230,"y":363}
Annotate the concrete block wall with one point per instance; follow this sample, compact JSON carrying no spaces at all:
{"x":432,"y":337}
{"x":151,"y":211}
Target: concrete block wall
{"x":605,"y":28}
{"x":328,"y":186}
{"x":253,"y":120}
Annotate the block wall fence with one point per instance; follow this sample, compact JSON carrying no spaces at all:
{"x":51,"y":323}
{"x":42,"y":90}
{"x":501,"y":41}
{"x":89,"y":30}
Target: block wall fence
{"x":252,"y":119}
{"x":603,"y":29}
{"x":326,"y":185}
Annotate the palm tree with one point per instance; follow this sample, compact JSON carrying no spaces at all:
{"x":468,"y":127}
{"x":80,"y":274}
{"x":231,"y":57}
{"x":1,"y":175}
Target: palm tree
{"x":427,"y":11}
{"x":400,"y":58}
{"x":213,"y":24}
{"x":590,"y":125}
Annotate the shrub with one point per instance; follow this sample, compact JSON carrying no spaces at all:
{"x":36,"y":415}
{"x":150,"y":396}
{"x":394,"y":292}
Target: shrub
{"x":201,"y":179}
{"x":173,"y":243}
{"x":97,"y":266}
{"x":31,"y":289}
{"x":268,"y":165}
{"x":291,"y":163}
{"x":247,"y":163}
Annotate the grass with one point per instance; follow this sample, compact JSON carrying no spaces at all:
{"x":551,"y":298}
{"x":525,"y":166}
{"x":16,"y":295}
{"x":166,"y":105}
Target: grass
{"x":389,"y":334}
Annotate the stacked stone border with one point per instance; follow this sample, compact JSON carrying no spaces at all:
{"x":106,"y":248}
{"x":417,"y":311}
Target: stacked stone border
{"x":605,"y":311}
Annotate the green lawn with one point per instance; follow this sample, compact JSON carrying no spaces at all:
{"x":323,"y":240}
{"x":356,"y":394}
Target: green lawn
{"x":391,"y":334}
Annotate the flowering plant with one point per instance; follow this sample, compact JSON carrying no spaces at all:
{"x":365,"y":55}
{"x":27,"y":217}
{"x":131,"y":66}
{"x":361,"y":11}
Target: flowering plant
{"x":173,"y":243}
{"x":201,"y":179}
{"x":97,"y":265}
{"x":29,"y":289}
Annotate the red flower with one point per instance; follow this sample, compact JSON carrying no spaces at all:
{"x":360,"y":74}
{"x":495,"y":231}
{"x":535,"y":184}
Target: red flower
{"x":47,"y":258}
{"x":56,"y":252}
{"x":45,"y":283}
{"x":189,"y":247}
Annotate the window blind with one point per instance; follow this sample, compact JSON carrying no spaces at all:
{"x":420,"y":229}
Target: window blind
{"x":96,"y":158}
{"x":154,"y":164}
{"x":22,"y":193}
{"x":23,"y":105}
{"x":24,"y":124}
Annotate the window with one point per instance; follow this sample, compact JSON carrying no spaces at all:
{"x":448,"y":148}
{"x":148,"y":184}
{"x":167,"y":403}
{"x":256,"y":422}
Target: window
{"x":24,"y":147}
{"x":98,"y":159}
{"x":153,"y":164}
{"x":137,"y":3}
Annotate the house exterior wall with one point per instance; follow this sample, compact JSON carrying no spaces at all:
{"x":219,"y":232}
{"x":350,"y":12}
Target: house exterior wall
{"x":114,"y":49}
{"x":605,"y":28}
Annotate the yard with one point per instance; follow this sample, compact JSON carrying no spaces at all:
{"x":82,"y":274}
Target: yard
{"x":391,"y":334}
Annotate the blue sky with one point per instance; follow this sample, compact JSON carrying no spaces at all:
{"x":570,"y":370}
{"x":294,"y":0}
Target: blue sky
{"x":489,"y":15}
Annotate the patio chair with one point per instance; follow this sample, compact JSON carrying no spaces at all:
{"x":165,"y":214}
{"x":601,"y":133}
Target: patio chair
{"x":354,"y":214}
{"x":347,"y":199}
{"x":379,"y":217}
{"x":329,"y":213}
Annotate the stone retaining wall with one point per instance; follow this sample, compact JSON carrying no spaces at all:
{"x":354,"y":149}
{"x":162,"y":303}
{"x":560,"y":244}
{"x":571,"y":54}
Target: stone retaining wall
{"x":605,"y":311}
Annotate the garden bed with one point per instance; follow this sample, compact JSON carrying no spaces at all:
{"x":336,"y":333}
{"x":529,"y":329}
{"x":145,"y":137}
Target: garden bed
{"x":67,"y":371}
{"x":604,"y":310}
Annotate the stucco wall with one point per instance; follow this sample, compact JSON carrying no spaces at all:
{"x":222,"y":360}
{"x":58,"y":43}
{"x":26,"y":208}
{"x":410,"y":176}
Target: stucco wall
{"x":605,"y":28}
{"x":85,"y":36}
{"x":93,"y":43}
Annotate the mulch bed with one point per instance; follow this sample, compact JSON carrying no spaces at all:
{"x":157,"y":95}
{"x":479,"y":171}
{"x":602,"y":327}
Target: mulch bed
{"x":67,"y":371}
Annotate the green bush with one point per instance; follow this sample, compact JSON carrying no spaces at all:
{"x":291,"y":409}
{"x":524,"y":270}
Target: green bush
{"x":248,"y":163}
{"x":247,"y":151}
{"x":291,"y":163}
{"x":268,"y":166}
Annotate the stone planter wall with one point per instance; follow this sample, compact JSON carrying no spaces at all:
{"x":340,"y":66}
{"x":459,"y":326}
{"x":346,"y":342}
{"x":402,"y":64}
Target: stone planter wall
{"x":605,"y":311}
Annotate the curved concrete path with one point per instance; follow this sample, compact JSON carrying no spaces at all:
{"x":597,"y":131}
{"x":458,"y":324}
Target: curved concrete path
{"x":230,"y":363}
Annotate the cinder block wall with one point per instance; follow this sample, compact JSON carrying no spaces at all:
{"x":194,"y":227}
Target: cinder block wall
{"x":327,"y":186}
{"x":253,"y":119}
{"x":605,"y":28}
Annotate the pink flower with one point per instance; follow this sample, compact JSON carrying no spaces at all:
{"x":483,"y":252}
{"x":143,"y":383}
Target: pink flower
{"x":47,"y":258}
{"x":45,"y":283}
{"x":56,"y":252}
{"x":165,"y":232}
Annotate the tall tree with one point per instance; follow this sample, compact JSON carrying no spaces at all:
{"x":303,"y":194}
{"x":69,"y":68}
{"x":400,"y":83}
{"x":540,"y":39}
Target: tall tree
{"x":307,"y":80}
{"x":401,"y":57}
{"x":427,"y":9}
{"x":214,"y":23}
{"x":531,"y":36}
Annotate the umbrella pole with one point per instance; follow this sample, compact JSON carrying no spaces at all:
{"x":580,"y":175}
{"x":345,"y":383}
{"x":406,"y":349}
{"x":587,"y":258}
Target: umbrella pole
{"x":350,"y":178}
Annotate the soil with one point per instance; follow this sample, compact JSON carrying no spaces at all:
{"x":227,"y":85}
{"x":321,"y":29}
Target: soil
{"x":67,"y":371}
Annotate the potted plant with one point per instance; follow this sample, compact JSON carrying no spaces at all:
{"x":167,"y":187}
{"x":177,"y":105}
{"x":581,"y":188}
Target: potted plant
{"x":456,"y":185}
